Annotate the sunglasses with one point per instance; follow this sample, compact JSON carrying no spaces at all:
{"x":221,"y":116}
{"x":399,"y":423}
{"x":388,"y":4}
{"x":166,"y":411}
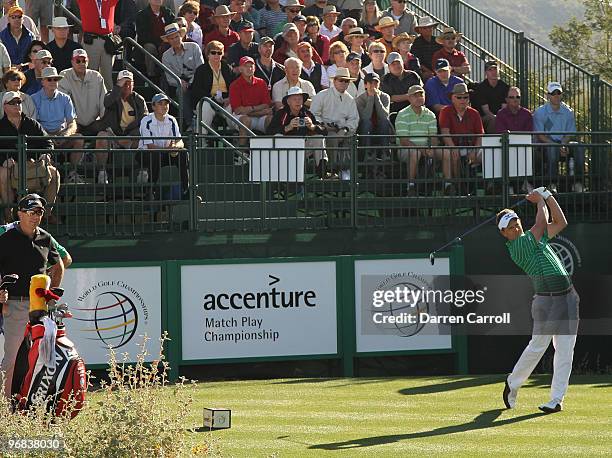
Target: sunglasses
{"x":55,"y":80}
{"x":14,"y":102}
{"x":216,"y":53}
{"x":377,"y":51}
{"x":14,"y":78}
{"x":36,"y":211}
{"x":462,"y":97}
{"x":514,"y":97}
{"x":80,"y":61}
{"x":295,"y":11}
{"x":555,"y":93}
{"x":342,"y":80}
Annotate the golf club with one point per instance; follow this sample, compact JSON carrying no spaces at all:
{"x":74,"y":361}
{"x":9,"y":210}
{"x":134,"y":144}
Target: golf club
{"x":7,"y":280}
{"x":432,"y":255}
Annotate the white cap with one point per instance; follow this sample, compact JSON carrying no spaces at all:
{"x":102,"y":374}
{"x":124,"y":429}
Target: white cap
{"x":125,"y":74}
{"x":10,"y":95}
{"x":393,"y":57}
{"x":505,"y":220}
{"x":43,"y":54}
{"x":79,"y":53}
{"x":554,"y":86}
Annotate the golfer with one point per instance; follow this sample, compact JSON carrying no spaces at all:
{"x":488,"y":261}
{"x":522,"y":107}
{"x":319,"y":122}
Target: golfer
{"x":555,"y":304}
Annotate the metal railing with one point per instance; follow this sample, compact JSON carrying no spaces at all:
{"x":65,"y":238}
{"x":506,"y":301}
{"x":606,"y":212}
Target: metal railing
{"x":367,"y":182}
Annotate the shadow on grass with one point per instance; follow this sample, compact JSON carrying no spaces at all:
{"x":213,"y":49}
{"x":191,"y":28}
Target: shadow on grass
{"x":483,"y":421}
{"x":453,"y":385}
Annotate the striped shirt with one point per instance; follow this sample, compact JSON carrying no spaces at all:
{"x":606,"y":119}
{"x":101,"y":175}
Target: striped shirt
{"x":539,"y":261}
{"x":417,"y":127}
{"x":270,"y":19}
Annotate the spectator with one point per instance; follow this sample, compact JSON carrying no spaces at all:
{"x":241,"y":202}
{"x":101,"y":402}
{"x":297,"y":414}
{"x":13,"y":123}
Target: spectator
{"x":291,"y":39}
{"x":357,"y":86}
{"x":402,"y":44}
{"x":190,"y":11}
{"x":238,"y":7}
{"x":43,"y":59}
{"x":222,"y":32}
{"x":417,"y":127}
{"x":87,"y":90}
{"x":212,"y":79}
{"x":270,"y":17}
{"x":182,"y":59}
{"x":350,"y":8}
{"x":124,"y":110}
{"x":329,"y":27}
{"x":161,"y":124}
{"x":300,"y":23}
{"x":373,"y":107}
{"x":292,"y":8}
{"x":293,"y":69}
{"x":490,"y":96}
{"x":377,"y":52}
{"x":16,"y":37}
{"x":558,"y":118}
{"x":356,"y":38}
{"x":397,"y":82}
{"x":338,"y":53}
{"x":252,"y":15}
{"x":13,"y":124}
{"x":513,"y":117}
{"x":338,"y":111}
{"x":245,"y":47}
{"x":13,"y":80}
{"x":457,"y":60}
{"x":125,"y":19}
{"x":346,"y":25}
{"x":98,"y":23}
{"x":62,"y":47}
{"x":28,"y":63}
{"x":319,"y":42}
{"x":460,"y":119}
{"x":425,"y":46}
{"x":295,"y":119}
{"x":438,"y":88}
{"x":386,"y":26}
{"x":312,"y":71}
{"x":150,"y":24}
{"x":27,"y":20}
{"x":266,"y":68}
{"x":57,"y":115}
{"x":250,"y":100}
{"x":205,"y":18}
{"x":316,"y":9}
{"x":41,"y":12}
{"x":370,"y":15}
{"x":5,"y":59}
{"x":405,"y":18}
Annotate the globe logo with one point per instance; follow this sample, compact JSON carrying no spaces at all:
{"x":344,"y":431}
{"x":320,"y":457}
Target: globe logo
{"x":114,"y":317}
{"x":395,"y":309}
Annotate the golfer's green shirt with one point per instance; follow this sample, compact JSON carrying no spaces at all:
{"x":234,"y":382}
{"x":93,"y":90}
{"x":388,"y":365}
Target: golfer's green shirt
{"x":540,"y":262}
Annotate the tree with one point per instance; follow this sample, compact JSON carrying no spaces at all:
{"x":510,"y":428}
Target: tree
{"x":588,"y":42}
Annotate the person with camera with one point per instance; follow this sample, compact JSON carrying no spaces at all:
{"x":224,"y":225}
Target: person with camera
{"x":295,"y":119}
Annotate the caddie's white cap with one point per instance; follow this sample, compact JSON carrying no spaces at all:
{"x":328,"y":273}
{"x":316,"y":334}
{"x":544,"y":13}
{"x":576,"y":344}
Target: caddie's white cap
{"x":505,"y":220}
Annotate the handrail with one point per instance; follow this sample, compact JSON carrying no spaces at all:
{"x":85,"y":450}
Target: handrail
{"x":67,"y":12}
{"x":212,"y":131}
{"x":223,"y":112}
{"x":167,"y":71}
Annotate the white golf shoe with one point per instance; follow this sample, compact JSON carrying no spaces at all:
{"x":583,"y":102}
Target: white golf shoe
{"x":509,"y":396}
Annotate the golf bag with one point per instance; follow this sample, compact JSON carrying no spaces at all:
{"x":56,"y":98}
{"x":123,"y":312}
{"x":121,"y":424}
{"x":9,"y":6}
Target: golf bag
{"x":48,"y":369}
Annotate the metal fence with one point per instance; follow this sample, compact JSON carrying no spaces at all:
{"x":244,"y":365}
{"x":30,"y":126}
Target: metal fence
{"x":265,"y":183}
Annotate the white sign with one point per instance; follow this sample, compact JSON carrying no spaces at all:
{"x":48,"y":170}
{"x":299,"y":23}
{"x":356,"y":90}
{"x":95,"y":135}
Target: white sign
{"x":277,"y":159}
{"x":520,"y":156}
{"x":254,"y":310}
{"x":394,"y":272}
{"x":113,"y":307}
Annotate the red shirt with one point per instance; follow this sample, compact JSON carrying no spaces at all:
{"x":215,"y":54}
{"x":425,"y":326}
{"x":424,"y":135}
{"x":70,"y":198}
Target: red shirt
{"x":455,"y":58}
{"x":90,"y":16}
{"x":470,"y":123}
{"x":245,"y":94}
{"x":227,"y":40}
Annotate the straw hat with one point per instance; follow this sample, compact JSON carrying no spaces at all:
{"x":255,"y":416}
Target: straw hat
{"x":385,"y":22}
{"x":293,"y":4}
{"x":222,"y":10}
{"x":425,"y":21}
{"x":171,"y":29}
{"x":49,"y":72}
{"x":342,"y":72}
{"x":356,"y":32}
{"x":448,"y":32}
{"x":404,"y":36}
{"x":331,"y":9}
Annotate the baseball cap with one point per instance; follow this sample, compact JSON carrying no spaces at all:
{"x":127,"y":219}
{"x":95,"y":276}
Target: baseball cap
{"x":79,"y":53}
{"x":245,"y":26}
{"x":353,"y":56}
{"x":371,"y":77}
{"x":30,"y":202}
{"x":125,"y":74}
{"x":265,"y":40}
{"x":43,"y":54}
{"x":159,"y":97}
{"x":10,"y":95}
{"x":490,"y":63}
{"x":289,"y":27}
{"x":554,"y":86}
{"x":299,"y":18}
{"x":246,"y":60}
{"x":460,"y":88}
{"x":442,"y":64}
{"x":393,"y":57}
{"x":415,"y":89}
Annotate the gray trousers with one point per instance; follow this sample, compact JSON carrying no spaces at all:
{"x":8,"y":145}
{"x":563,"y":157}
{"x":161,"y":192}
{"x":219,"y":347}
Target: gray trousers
{"x":554,"y":318}
{"x":16,"y":317}
{"x":101,"y":61}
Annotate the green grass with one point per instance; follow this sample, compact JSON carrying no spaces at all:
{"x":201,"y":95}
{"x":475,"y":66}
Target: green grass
{"x":401,"y":416}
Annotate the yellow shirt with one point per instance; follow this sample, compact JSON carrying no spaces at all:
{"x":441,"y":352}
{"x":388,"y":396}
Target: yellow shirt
{"x":218,"y":83}
{"x":126,"y":117}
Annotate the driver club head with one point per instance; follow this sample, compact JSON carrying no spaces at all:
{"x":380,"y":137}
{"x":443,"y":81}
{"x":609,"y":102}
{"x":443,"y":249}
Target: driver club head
{"x":432,"y":258}
{"x":9,"y":279}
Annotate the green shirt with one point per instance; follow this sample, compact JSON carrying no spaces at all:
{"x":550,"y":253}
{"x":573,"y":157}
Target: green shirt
{"x":60,"y":249}
{"x":540,"y":262}
{"x":409,"y":124}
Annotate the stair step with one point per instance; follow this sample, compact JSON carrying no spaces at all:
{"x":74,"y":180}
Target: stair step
{"x":306,"y":222}
{"x":248,"y":209}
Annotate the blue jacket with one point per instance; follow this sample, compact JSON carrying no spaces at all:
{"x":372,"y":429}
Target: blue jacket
{"x":17,"y":51}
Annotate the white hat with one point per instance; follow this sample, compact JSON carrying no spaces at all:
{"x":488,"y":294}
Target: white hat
{"x":60,"y":22}
{"x":79,"y":53}
{"x":10,"y":95}
{"x":393,"y":57}
{"x":125,"y":74}
{"x":49,"y":72}
{"x":43,"y":54}
{"x":505,"y":220}
{"x":289,"y":27}
{"x":554,"y":86}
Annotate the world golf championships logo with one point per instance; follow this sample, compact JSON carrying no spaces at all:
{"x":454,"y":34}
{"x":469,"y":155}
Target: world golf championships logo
{"x":567,"y":253}
{"x":112,"y":316}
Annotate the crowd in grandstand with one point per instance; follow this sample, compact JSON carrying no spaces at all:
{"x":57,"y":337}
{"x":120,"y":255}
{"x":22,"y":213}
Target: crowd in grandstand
{"x":316,"y":69}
